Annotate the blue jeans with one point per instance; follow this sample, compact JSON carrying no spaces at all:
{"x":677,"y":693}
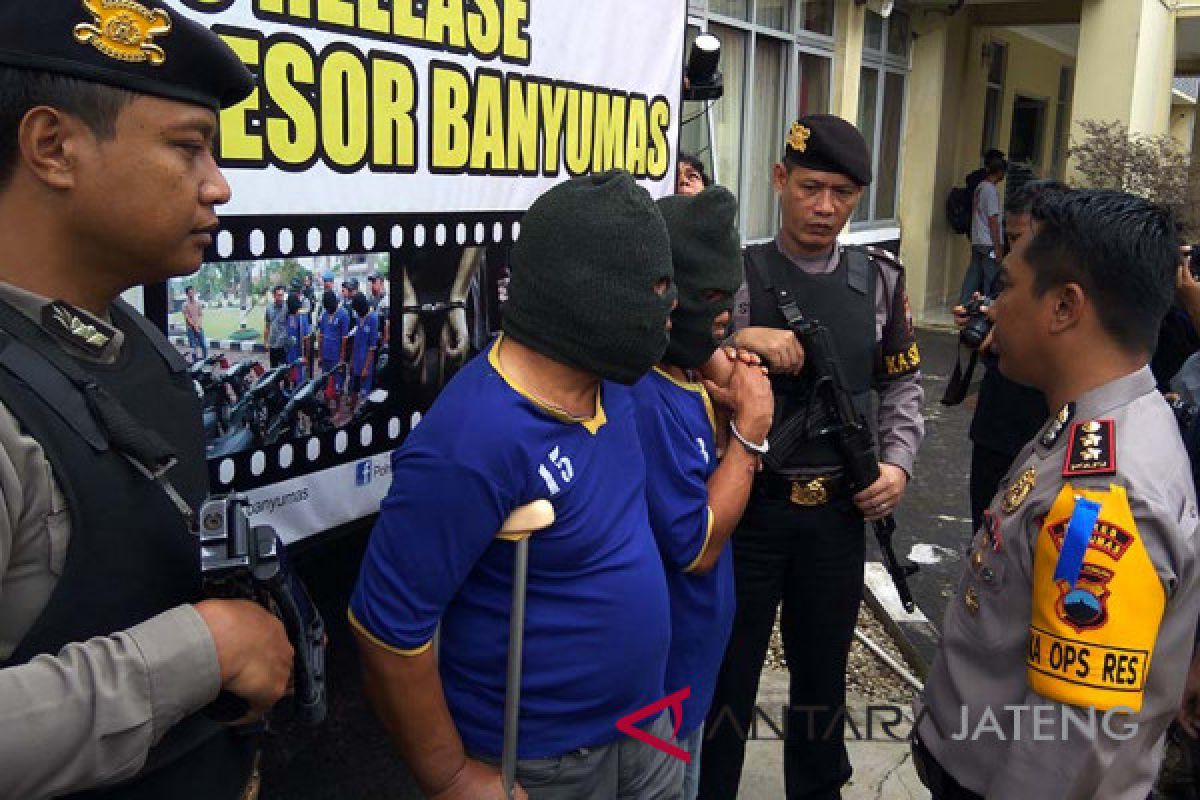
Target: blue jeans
{"x":197,"y":340}
{"x":691,"y":770}
{"x":981,"y":274}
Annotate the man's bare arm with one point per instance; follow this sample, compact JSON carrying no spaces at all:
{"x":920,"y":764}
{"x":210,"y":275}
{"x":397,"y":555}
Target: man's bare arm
{"x":406,"y":692}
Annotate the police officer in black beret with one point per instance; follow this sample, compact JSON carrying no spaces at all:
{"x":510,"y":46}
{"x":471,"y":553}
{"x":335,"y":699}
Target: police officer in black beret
{"x":801,"y":541}
{"x":108,"y":653}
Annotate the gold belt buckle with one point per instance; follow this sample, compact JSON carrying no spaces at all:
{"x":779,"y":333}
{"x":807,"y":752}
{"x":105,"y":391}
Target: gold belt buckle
{"x":812,"y":492}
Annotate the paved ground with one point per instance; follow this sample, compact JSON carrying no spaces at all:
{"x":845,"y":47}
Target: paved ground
{"x":883,"y":768}
{"x":350,"y":757}
{"x":934,"y":520}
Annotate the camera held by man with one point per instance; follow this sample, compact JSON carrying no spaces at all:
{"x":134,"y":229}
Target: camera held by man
{"x":977,"y":326}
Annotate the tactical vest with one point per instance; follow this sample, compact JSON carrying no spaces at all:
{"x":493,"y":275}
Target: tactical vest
{"x":130,"y":555}
{"x":844,"y":302}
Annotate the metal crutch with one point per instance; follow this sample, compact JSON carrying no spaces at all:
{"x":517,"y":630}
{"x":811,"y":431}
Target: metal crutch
{"x":518,"y":527}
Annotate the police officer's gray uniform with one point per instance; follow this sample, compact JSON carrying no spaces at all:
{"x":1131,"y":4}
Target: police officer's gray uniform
{"x":1021,"y":649}
{"x":104,"y":664}
{"x":90,"y":714}
{"x":800,"y":544}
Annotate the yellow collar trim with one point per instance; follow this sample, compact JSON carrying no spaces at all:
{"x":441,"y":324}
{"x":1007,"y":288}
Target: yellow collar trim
{"x":591,"y":424}
{"x":699,"y":389}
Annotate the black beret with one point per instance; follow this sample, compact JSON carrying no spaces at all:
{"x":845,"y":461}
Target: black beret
{"x":829,"y":144}
{"x":143,"y":46}
{"x":350,"y":283}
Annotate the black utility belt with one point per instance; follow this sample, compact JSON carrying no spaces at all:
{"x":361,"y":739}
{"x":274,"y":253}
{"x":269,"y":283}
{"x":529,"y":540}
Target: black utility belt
{"x":806,"y":491}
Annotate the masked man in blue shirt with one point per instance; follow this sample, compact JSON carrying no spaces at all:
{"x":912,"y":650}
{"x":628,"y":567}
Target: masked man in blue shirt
{"x":695,"y":499}
{"x":545,"y":412}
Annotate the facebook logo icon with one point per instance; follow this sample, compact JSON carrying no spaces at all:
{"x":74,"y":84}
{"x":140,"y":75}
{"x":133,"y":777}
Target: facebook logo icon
{"x":363,"y":472}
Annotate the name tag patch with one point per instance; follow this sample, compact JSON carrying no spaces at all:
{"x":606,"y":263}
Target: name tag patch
{"x":1086,"y":664}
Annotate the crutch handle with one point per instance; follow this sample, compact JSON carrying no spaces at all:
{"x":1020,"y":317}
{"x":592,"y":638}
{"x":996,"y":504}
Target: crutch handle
{"x":518,"y":527}
{"x":526,"y":519}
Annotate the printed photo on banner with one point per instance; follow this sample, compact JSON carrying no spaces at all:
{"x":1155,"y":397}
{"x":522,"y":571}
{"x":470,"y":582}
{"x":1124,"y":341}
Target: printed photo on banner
{"x":393,"y":149}
{"x":285,"y":349}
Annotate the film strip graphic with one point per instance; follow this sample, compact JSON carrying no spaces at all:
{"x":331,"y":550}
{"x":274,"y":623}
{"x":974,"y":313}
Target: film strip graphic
{"x":264,"y":466}
{"x":290,"y":236}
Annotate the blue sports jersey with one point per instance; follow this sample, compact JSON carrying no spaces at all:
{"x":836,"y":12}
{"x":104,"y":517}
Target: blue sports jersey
{"x":597,"y":628}
{"x":366,"y":336}
{"x":334,"y":328}
{"x":675,"y":420}
{"x":298,"y":327}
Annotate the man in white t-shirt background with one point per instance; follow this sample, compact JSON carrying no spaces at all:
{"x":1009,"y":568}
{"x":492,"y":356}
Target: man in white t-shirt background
{"x":986,"y":241}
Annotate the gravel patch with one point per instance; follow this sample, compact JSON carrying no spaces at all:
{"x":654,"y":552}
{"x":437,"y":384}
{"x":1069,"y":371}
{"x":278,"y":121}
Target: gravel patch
{"x":866,"y":674}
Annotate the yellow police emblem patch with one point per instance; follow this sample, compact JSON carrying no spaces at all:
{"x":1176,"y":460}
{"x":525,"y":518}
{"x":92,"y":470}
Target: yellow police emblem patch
{"x":124,"y":30}
{"x":798,"y":137}
{"x":1090,"y":640}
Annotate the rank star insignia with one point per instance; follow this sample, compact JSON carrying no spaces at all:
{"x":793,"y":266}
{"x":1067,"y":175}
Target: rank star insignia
{"x":1019,"y":490}
{"x":798,"y":137}
{"x":1092,"y":449}
{"x":124,"y":30}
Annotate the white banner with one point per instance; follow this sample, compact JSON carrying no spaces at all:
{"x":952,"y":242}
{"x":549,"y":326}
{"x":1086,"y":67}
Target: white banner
{"x":365,"y":106}
{"x":322,"y":500}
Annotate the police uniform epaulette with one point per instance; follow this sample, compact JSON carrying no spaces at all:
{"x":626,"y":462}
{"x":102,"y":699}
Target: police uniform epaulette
{"x":66,"y":324}
{"x":886,"y":257}
{"x":1092,"y":449}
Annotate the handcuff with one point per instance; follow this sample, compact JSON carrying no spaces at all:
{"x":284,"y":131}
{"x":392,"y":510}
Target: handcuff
{"x":756,"y":449}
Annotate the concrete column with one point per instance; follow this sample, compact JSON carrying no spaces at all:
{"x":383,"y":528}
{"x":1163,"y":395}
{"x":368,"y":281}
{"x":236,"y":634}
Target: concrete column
{"x":1125,"y":62}
{"x":848,"y":24}
{"x":931,"y":141}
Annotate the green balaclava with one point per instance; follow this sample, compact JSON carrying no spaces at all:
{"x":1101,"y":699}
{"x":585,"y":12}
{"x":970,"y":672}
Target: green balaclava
{"x":707,"y":256}
{"x":584,"y":269}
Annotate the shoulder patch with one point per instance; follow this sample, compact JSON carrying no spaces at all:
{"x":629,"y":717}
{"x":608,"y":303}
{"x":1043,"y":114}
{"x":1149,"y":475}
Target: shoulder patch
{"x":1093,"y":630}
{"x":1092,"y":449}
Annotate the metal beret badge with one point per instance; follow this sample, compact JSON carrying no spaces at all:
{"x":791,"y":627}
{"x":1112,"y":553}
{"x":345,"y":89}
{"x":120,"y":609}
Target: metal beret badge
{"x":124,"y":30}
{"x":798,"y":137}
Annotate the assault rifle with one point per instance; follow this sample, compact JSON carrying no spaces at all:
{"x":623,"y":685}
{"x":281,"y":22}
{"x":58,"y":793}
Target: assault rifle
{"x":850,"y":430}
{"x":240,"y":560}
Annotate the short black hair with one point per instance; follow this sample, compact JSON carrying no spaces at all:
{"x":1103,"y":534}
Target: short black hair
{"x":189,"y":289}
{"x":279,"y":287}
{"x":995,"y":163}
{"x":22,"y":90}
{"x":992,"y":153}
{"x":1021,"y":200}
{"x":1122,"y":250}
{"x":695,"y":163}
